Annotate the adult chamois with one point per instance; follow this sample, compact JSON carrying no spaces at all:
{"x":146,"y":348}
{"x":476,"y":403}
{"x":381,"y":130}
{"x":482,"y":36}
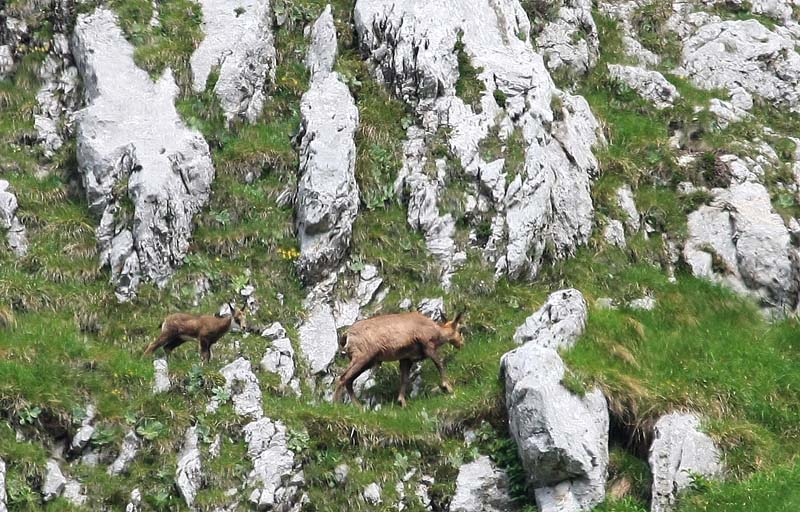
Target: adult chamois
{"x":179,"y":328}
{"x":404,"y":337}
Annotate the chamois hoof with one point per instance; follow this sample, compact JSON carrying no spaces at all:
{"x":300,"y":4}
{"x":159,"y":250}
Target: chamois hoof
{"x":446,"y":387}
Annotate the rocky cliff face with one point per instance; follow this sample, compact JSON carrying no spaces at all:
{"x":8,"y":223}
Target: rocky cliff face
{"x":577,"y":177}
{"x":146,"y":174}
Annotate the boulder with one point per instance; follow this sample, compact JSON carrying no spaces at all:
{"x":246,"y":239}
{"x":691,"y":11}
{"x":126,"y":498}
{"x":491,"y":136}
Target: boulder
{"x":16,"y":234}
{"x":650,"y":85}
{"x":614,"y":233}
{"x":740,"y":240}
{"x":135,"y":501}
{"x":74,"y":493}
{"x":678,"y":452}
{"x":627,"y":204}
{"x":244,"y":388}
{"x":372,"y":494}
{"x":146,"y":174}
{"x":189,"y":474}
{"x":327,"y":192}
{"x":161,"y":382}
{"x":238,"y":43}
{"x":432,"y":308}
{"x":562,"y":438}
{"x":54,"y":481}
{"x":130,"y":447}
{"x":57,"y":97}
{"x":274,"y":478}
{"x":3,"y":498}
{"x":571,"y":40}
{"x":558,"y":323}
{"x":84,"y":434}
{"x":732,"y":54}
{"x":319,"y":341}
{"x":481,"y":487}
{"x":279,"y":357}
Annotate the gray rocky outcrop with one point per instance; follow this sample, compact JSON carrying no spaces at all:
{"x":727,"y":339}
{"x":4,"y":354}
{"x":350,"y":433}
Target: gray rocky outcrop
{"x":161,"y":383}
{"x":75,"y":493}
{"x":614,"y":233}
{"x":238,"y":43}
{"x":327,"y":192}
{"x":84,"y":434}
{"x":372,"y":494}
{"x":279,"y":357}
{"x":276,"y":478}
{"x":678,"y":452}
{"x":571,"y":40}
{"x":622,"y":12}
{"x":130,"y":447}
{"x":54,"y":481}
{"x":134,"y":502}
{"x":739,"y":240}
{"x":558,"y":323}
{"x":16,"y":234}
{"x":731,"y":54}
{"x":413,"y":48}
{"x":650,"y":85}
{"x":627,"y":204}
{"x":481,"y":487}
{"x":58,"y":96}
{"x":562,"y":438}
{"x":3,"y":495}
{"x":189,"y":474}
{"x":319,"y":341}
{"x":145,"y":173}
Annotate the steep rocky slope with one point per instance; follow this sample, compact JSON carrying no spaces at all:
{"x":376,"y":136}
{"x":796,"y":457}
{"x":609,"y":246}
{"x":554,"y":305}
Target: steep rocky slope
{"x":609,"y":190}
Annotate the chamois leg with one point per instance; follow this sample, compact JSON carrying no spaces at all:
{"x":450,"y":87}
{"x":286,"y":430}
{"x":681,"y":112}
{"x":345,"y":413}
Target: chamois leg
{"x":433,"y":355}
{"x":205,"y":350}
{"x":337,"y":394}
{"x":163,"y":339}
{"x":357,"y":367}
{"x":405,"y":369}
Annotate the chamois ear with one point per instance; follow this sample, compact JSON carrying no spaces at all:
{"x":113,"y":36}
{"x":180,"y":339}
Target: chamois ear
{"x":457,"y":319}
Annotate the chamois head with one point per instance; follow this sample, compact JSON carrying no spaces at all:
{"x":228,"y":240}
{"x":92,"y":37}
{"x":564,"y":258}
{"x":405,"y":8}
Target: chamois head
{"x":237,"y":319}
{"x":451,"y":331}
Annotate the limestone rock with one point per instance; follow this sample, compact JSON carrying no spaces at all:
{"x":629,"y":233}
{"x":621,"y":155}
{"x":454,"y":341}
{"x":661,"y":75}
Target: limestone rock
{"x":739,"y":240}
{"x":571,"y":40}
{"x":558,"y":323}
{"x":133,"y":148}
{"x":562,"y":439}
{"x":319,"y":341}
{"x":626,"y":202}
{"x":239,"y":41}
{"x":74,"y":493}
{"x":372,"y":494}
{"x":135,"y":501}
{"x":327,"y":192}
{"x":54,"y":481}
{"x":161,"y":381}
{"x":481,"y":487}
{"x":678,"y":451}
{"x":84,"y":434}
{"x":189,"y":474}
{"x":650,"y":85}
{"x":614,"y":233}
{"x":57,"y":98}
{"x":130,"y":447}
{"x":432,"y":308}
{"x":242,"y":384}
{"x":340,"y":473}
{"x":279,"y":357}
{"x":274,"y":477}
{"x":730,"y":54}
{"x":646,"y":303}
{"x":412,"y":46}
{"x":16,"y":234}
{"x":3,"y":498}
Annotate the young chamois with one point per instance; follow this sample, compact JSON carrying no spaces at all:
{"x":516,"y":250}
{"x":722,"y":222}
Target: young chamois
{"x":404,"y":337}
{"x":179,"y":328}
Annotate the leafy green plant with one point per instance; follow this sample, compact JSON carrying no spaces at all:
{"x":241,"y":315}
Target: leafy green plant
{"x":29,"y":415}
{"x":151,"y":429}
{"x":298,"y":441}
{"x":194,"y":379}
{"x":102,"y":436}
{"x":220,"y":394}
